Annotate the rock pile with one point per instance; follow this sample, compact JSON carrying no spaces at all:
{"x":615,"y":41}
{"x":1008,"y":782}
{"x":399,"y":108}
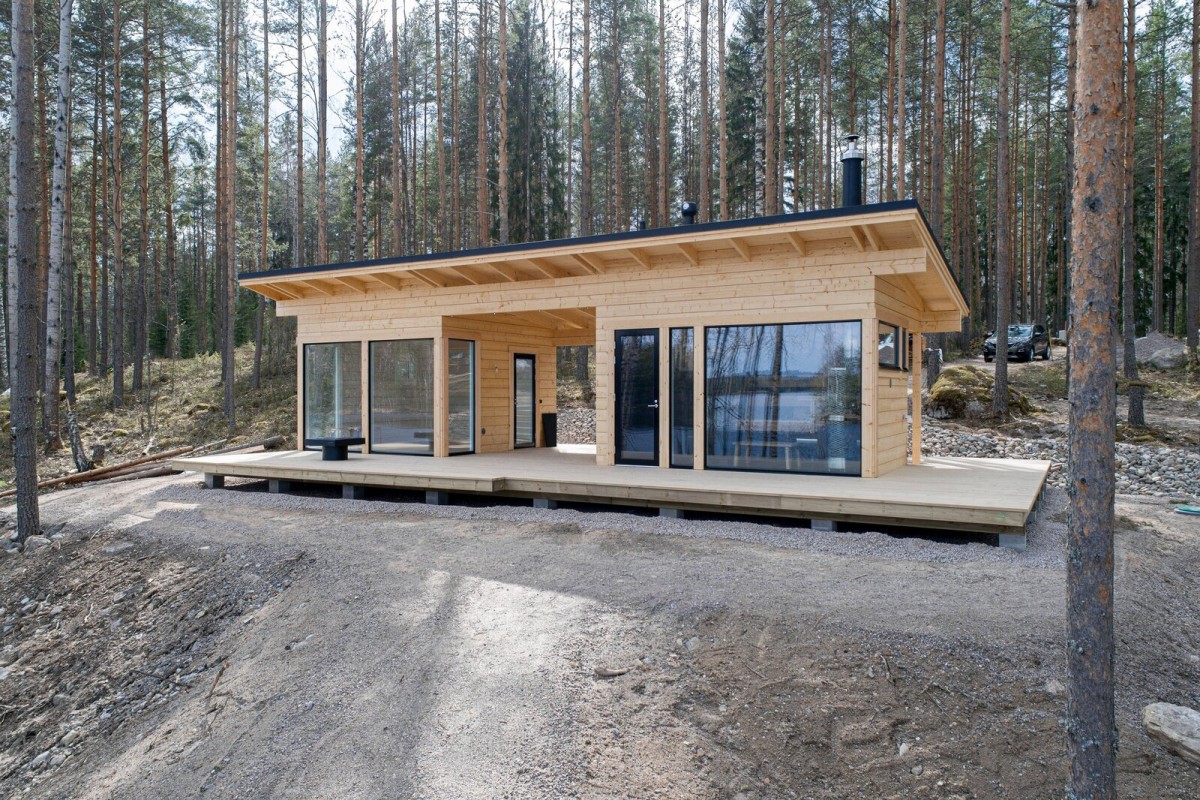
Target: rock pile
{"x":577,"y":425}
{"x":1141,"y":469}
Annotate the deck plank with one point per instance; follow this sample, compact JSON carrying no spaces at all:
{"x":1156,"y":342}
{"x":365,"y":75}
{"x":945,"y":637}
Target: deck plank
{"x":975,"y":494}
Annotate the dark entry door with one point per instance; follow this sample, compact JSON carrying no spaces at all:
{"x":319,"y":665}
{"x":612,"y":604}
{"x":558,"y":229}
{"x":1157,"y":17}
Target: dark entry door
{"x":637,"y":397}
{"x":524,"y":400}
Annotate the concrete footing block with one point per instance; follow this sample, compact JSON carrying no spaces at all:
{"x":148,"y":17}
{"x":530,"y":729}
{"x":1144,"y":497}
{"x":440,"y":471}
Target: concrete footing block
{"x":435,"y":497}
{"x":214,"y":481}
{"x":823,"y":525}
{"x":671,"y":513}
{"x":1013,"y":541}
{"x":545,"y":502}
{"x":275,"y":486}
{"x":352,"y":492}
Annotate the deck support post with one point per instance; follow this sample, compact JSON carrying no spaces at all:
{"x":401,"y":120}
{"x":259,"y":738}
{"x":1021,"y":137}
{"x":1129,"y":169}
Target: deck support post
{"x":275,"y":486}
{"x":1011,"y":541}
{"x":212,"y":481}
{"x":823,"y":525}
{"x":352,"y":492}
{"x":545,"y":502}
{"x":671,"y":513}
{"x":435,"y":497}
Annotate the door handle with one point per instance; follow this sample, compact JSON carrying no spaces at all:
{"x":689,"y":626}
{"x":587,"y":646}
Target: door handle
{"x":653,"y":405}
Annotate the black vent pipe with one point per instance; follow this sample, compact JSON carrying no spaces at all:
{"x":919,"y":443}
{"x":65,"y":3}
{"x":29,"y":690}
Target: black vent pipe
{"x":852,"y":173}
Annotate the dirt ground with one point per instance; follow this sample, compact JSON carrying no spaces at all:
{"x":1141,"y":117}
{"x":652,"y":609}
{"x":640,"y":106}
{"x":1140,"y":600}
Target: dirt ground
{"x":179,"y":642}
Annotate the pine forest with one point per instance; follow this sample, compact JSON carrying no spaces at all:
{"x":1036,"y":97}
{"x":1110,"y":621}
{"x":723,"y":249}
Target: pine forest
{"x":177,"y":144}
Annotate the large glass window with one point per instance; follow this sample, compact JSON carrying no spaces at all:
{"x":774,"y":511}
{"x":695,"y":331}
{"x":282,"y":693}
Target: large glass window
{"x":784,"y":398}
{"x":462,"y":396}
{"x":402,"y":396}
{"x":683,"y":413}
{"x":332,"y":390}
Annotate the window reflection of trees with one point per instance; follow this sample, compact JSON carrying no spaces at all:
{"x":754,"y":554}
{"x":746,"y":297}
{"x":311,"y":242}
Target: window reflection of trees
{"x":784,"y":397}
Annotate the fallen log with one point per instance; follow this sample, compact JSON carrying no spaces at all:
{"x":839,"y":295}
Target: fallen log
{"x":104,"y":472}
{"x":270,"y":443}
{"x":139,"y":474}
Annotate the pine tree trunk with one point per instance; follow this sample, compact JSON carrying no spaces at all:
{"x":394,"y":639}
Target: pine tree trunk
{"x":140,"y":310}
{"x":585,"y":121}
{"x":171,"y":344}
{"x":723,"y":123}
{"x":360,"y":189}
{"x":440,"y":237}
{"x":660,"y":206}
{"x":298,"y":236}
{"x":1193,"y":259}
{"x":770,"y":139}
{"x":24,"y":189}
{"x":705,"y":119}
{"x":1003,"y":292}
{"x":502,"y":147}
{"x":1160,"y":103}
{"x":397,"y":138}
{"x":93,"y":342}
{"x":937,"y":168}
{"x":1096,"y":193}
{"x":1134,"y":389}
{"x":901,"y":72}
{"x":264,"y":231}
{"x":481,"y":189}
{"x":118,"y":219}
{"x":58,"y":214}
{"x":322,"y":131}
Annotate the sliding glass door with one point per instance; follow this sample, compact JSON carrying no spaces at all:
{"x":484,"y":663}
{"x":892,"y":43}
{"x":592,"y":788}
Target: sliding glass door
{"x":462,"y":396}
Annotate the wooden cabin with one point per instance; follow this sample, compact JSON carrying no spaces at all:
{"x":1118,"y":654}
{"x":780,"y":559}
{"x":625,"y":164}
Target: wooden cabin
{"x":780,"y":344}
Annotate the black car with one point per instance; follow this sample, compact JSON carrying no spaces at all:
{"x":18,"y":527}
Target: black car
{"x":1024,"y":342}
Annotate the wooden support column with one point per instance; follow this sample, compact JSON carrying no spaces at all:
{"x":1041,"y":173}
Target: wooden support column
{"x":299,"y":395}
{"x":606,"y":370}
{"x":917,"y":380}
{"x":441,"y":397}
{"x":698,"y":389}
{"x":870,"y":394}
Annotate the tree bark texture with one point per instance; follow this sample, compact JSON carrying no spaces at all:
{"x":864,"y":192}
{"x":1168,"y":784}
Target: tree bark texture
{"x":1095,"y":255}
{"x":58,"y":213}
{"x":1193,"y":259}
{"x":1003,"y":280}
{"x":1134,"y":388}
{"x":25,"y":189}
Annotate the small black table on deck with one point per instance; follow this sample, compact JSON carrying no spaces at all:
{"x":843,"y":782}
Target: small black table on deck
{"x":334,"y":448}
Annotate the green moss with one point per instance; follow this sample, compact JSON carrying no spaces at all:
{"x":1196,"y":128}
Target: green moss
{"x":965,"y":390}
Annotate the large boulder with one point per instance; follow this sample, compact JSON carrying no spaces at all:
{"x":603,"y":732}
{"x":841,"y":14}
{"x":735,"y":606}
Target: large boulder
{"x":1176,"y":727}
{"x":1160,"y":351}
{"x":964,"y":391}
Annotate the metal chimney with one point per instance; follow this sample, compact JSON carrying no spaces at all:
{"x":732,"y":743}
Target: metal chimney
{"x":689,"y":211}
{"x":852,"y":173}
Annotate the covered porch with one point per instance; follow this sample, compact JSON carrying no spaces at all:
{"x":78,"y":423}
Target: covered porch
{"x":994,"y":496}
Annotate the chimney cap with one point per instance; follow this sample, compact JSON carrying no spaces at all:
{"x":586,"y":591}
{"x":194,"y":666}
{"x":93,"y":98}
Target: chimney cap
{"x":689,"y":210}
{"x":851,"y":146}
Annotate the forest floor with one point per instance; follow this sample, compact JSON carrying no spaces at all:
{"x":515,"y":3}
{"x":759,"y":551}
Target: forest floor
{"x":175,"y":641}
{"x":181,"y":405}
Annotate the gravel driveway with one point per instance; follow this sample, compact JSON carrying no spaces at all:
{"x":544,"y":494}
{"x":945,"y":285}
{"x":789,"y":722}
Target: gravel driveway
{"x":399,"y":650}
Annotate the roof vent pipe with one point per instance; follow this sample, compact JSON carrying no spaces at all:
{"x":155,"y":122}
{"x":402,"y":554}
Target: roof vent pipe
{"x":689,"y":211}
{"x":852,"y":173}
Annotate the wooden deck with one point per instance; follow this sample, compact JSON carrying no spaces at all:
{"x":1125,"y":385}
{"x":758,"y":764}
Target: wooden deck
{"x":962,"y":494}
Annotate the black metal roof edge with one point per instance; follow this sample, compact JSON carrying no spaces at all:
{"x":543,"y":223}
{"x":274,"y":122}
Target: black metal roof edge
{"x":623,"y":236}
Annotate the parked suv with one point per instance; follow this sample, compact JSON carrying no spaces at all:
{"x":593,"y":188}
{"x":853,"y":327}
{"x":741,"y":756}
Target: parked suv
{"x":1024,"y":342}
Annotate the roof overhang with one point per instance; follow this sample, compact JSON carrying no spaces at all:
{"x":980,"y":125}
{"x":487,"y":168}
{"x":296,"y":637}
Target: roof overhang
{"x":895,"y":234}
